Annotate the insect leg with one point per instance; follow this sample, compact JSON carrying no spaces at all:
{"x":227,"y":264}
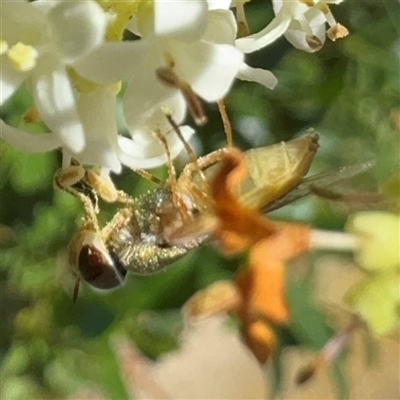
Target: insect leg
{"x":203,"y":163}
{"x":191,"y":154}
{"x":172,"y":179}
{"x":148,"y":176}
{"x":67,"y":179}
{"x":105,"y":188}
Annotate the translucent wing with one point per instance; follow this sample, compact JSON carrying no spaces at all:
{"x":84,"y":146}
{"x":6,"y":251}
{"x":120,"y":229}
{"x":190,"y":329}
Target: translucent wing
{"x":321,"y":184}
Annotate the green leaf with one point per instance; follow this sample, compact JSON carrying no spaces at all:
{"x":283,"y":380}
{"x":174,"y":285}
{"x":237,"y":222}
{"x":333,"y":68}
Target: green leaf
{"x":31,"y":173}
{"x":307,"y":324}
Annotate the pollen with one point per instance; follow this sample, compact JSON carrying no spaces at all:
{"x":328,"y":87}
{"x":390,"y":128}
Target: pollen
{"x":3,"y":46}
{"x":22,"y":57}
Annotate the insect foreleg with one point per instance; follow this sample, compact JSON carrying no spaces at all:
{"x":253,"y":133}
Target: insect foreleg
{"x":67,"y":179}
{"x":105,"y":188}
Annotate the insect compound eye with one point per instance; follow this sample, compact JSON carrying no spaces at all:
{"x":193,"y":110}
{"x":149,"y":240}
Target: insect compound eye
{"x":98,"y":268}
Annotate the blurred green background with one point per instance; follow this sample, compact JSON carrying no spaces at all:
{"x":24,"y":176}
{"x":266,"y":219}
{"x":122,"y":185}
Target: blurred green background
{"x":348,"y":92}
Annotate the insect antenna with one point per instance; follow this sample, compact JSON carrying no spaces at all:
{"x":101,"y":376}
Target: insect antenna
{"x":226,"y":123}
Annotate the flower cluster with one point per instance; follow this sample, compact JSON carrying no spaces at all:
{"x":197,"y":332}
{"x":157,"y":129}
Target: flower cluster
{"x":72,"y":58}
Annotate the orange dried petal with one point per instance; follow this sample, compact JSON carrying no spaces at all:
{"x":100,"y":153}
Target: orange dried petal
{"x":239,"y":228}
{"x":288,"y":241}
{"x":263,"y":288}
{"x":263,"y":281}
{"x":260,"y":338}
{"x":270,"y":245}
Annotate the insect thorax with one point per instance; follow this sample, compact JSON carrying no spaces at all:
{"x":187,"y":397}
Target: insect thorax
{"x":137,"y":234}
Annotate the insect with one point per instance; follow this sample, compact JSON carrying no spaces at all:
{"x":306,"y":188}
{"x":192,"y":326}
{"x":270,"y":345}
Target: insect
{"x":141,"y":237}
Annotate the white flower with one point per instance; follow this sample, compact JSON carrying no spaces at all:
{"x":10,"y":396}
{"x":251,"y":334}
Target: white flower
{"x":219,"y":4}
{"x":174,"y":36}
{"x":222,"y":28}
{"x":302,"y":22}
{"x":146,"y":155}
{"x":40,"y":41}
{"x":104,"y":147}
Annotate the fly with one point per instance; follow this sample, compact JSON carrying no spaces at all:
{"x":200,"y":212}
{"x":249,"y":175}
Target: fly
{"x":139,"y":239}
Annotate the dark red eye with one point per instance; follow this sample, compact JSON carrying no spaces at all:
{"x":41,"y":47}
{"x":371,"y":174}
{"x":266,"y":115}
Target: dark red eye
{"x":98,"y":268}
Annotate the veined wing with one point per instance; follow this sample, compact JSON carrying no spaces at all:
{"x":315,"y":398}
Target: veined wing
{"x":319,"y":184}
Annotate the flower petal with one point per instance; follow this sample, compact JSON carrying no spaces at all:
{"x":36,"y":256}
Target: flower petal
{"x":379,"y":236}
{"x":22,"y":22}
{"x":29,"y":142}
{"x":98,"y":154}
{"x":10,"y":80}
{"x":146,"y":101}
{"x":98,"y":115}
{"x":376,"y":299}
{"x":111,"y":62}
{"x":219,"y":4}
{"x":221,"y":27}
{"x":300,"y":40}
{"x":78,"y":27}
{"x":182,"y":20}
{"x":275,"y":29}
{"x":55,"y":102}
{"x":137,"y":155}
{"x":261,"y":76}
{"x":308,"y":32}
{"x":208,"y":68}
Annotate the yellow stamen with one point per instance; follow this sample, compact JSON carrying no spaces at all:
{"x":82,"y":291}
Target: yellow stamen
{"x":22,"y":57}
